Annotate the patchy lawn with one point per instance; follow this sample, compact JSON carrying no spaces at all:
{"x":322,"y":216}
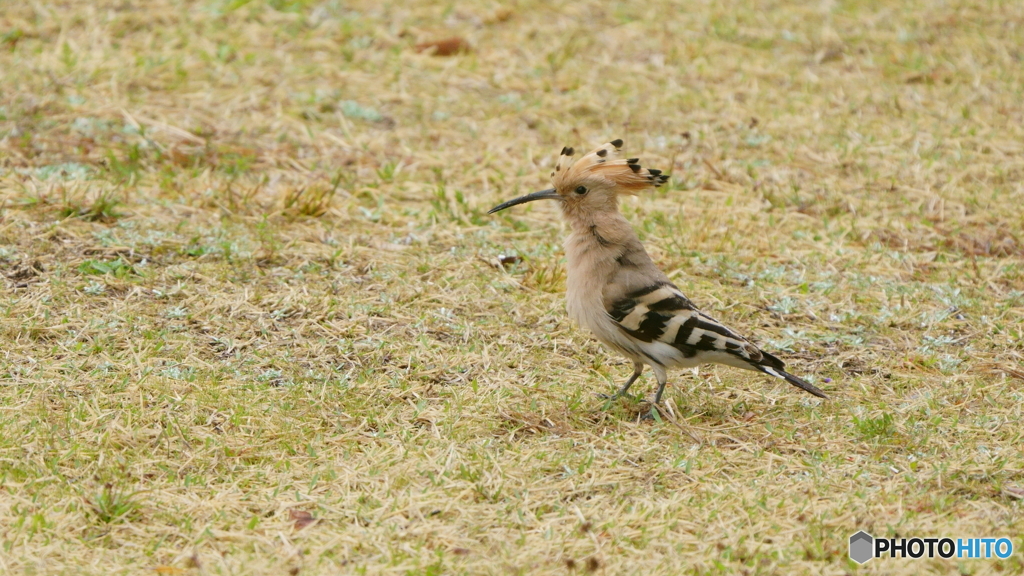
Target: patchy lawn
{"x":255,"y":319}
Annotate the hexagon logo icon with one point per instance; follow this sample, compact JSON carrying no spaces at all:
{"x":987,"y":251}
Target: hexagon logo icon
{"x":861,"y":547}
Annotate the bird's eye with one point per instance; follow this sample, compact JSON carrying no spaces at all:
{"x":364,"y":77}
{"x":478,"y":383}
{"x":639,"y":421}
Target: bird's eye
{"x":581,"y":190}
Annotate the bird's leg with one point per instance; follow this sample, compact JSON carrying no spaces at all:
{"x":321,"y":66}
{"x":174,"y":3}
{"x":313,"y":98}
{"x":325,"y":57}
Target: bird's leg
{"x":662,"y":381}
{"x":638,"y":369}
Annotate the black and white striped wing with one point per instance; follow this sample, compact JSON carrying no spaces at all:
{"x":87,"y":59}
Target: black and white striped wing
{"x":673,"y":332}
{"x":661,"y":313}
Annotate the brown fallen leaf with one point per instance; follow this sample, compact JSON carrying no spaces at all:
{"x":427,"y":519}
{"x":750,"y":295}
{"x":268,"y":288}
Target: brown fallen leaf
{"x":301,"y":518}
{"x":500,"y":15}
{"x":446,"y":47}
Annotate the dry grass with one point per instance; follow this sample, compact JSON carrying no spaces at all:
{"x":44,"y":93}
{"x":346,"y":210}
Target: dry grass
{"x":254,"y":318}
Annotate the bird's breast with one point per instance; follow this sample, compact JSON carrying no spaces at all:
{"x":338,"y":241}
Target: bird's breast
{"x":589,"y":268}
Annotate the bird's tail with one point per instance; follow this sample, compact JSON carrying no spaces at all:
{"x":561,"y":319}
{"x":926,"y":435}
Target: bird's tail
{"x":779,"y":372}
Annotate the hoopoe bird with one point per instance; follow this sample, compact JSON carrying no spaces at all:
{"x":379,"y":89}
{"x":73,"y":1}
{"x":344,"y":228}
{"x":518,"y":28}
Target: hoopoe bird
{"x":615,"y":290}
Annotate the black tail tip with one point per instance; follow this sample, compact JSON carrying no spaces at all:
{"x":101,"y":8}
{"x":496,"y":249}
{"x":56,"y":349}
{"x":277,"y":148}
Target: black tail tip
{"x":795,"y":381}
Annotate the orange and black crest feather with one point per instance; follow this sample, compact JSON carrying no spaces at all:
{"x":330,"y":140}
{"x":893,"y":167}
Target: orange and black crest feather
{"x":605,"y":163}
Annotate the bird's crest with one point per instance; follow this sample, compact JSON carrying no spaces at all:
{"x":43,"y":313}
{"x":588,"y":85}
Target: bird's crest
{"x":604,"y":162}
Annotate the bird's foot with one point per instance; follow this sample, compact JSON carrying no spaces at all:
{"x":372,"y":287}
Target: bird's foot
{"x":653,"y":414}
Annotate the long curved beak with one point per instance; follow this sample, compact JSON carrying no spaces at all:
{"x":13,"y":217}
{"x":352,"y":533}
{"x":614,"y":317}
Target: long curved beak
{"x":548,"y":194}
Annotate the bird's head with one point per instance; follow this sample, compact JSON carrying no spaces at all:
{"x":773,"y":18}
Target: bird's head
{"x":592,"y":184}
